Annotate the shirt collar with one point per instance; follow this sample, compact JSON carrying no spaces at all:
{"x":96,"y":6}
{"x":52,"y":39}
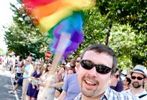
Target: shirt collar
{"x":104,"y":97}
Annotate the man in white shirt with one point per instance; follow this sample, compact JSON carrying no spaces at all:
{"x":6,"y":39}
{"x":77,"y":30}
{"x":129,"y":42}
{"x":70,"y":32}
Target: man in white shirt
{"x":138,"y":76}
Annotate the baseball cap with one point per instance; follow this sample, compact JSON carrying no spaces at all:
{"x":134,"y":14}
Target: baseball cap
{"x":140,"y":69}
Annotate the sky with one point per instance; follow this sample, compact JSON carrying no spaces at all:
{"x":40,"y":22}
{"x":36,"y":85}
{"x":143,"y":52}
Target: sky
{"x":5,"y":20}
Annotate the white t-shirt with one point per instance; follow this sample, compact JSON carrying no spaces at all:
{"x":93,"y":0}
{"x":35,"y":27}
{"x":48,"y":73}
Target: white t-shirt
{"x":139,"y":95}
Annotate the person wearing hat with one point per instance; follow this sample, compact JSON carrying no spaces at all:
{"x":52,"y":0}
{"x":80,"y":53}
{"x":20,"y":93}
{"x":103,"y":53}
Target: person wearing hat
{"x":138,"y":75}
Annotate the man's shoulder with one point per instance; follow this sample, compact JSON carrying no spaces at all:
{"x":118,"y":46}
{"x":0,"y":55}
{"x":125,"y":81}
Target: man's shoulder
{"x":110,"y":94}
{"x":71,"y":76}
{"x":126,"y":91}
{"x":143,"y":95}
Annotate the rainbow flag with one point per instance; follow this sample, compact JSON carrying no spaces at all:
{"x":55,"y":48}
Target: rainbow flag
{"x":59,"y":17}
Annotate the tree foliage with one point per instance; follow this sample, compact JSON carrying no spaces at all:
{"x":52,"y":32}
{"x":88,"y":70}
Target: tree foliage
{"x":126,"y":11}
{"x":23,"y":37}
{"x":121,"y":24}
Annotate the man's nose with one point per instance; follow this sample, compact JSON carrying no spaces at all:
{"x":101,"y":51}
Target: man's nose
{"x":93,"y":72}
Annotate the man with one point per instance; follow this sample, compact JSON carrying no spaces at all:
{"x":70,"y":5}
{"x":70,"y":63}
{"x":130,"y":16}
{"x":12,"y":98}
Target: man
{"x":70,"y":86}
{"x":28,"y":70}
{"x":98,"y":64}
{"x":138,"y":76}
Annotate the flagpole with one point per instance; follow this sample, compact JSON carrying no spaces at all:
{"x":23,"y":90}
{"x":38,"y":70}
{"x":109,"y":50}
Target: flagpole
{"x":62,"y":45}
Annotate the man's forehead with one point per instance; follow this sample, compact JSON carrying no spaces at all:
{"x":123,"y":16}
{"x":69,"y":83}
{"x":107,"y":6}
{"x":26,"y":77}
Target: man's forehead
{"x":98,"y":58}
{"x":138,"y":74}
{"x":96,"y":53}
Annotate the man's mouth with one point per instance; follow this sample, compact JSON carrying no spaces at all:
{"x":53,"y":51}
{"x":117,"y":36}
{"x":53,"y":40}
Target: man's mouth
{"x":90,"y":83}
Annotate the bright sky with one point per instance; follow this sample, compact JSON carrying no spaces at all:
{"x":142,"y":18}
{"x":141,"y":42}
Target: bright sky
{"x":5,"y":20}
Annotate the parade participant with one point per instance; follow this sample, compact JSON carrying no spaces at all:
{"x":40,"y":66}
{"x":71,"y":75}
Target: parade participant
{"x":97,"y":65}
{"x":116,"y":82}
{"x":138,"y":76}
{"x":33,"y":86}
{"x":70,"y":87}
{"x":28,"y":70}
{"x":126,"y":83}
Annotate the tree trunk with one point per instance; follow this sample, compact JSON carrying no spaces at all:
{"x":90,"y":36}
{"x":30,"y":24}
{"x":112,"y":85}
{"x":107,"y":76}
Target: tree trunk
{"x":108,"y":34}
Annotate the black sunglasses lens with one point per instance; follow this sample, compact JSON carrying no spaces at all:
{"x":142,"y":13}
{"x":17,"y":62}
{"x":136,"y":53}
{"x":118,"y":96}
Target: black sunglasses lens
{"x":99,"y":68}
{"x":138,"y":78}
{"x":133,"y":77}
{"x":86,"y":64}
{"x":103,"y":69}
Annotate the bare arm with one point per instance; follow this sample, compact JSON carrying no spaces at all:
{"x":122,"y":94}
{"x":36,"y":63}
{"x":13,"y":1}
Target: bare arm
{"x":62,"y":95}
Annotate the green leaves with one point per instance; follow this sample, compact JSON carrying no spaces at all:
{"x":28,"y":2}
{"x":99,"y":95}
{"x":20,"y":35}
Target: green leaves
{"x":119,"y":23}
{"x":23,"y":37}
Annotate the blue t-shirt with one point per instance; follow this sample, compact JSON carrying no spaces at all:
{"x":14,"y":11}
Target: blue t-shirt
{"x":71,"y":87}
{"x":28,"y":69}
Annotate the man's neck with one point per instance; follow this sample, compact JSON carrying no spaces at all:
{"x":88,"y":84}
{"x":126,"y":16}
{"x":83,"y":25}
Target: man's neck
{"x":89,"y":98}
{"x":135,"y":91}
{"x":92,"y":98}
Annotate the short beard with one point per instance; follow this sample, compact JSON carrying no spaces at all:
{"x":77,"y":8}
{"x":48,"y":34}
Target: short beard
{"x":136,"y":85}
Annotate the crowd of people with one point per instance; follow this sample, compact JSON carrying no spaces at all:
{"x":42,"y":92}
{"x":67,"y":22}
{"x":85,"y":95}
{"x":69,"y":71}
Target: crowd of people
{"x":94,"y":75}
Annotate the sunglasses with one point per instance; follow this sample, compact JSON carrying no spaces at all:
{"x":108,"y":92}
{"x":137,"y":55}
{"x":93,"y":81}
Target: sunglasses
{"x":100,"y":68}
{"x":138,"y":78}
{"x":77,"y":61}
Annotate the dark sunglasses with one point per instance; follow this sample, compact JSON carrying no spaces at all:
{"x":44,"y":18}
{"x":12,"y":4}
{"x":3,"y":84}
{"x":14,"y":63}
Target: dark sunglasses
{"x":100,"y":68}
{"x":138,"y":78}
{"x":77,"y":61}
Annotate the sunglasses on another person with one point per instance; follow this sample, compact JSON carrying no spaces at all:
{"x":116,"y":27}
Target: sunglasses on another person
{"x":77,"y":61}
{"x":138,"y":78}
{"x":100,"y":68}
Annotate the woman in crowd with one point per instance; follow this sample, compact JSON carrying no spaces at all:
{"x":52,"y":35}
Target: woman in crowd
{"x":43,"y":80}
{"x":33,"y":87}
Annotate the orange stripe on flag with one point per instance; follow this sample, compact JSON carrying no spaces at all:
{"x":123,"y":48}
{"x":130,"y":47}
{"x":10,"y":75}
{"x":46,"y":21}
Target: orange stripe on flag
{"x":48,"y":22}
{"x":46,"y":10}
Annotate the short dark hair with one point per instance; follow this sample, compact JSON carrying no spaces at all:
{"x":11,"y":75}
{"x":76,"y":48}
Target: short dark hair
{"x":100,"y":48}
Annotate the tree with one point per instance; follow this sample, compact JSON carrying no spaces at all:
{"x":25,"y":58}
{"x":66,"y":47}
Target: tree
{"x":110,"y":15}
{"x":117,"y":23}
{"x":23,"y":37}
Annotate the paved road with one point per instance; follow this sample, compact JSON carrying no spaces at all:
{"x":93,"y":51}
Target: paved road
{"x":5,"y":84}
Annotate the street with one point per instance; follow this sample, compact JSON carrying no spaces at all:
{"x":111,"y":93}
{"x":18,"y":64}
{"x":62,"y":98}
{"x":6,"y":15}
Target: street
{"x":5,"y":84}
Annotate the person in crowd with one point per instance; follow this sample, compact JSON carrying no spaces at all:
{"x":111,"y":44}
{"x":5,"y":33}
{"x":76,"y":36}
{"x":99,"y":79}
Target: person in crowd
{"x":43,"y":80}
{"x":97,"y":65}
{"x":27,"y":72}
{"x":18,"y":77}
{"x":70,"y":86}
{"x":138,"y":76}
{"x":126,"y":83}
{"x":145,"y":83}
{"x":33,"y":87}
{"x":60,"y":77}
{"x":116,"y":82}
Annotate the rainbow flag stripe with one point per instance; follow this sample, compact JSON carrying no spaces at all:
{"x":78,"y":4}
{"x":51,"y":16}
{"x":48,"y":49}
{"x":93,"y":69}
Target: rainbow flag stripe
{"x":59,"y":17}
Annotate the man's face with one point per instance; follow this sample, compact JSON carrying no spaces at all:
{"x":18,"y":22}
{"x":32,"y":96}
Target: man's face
{"x":137,"y":80}
{"x":92,"y":83}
